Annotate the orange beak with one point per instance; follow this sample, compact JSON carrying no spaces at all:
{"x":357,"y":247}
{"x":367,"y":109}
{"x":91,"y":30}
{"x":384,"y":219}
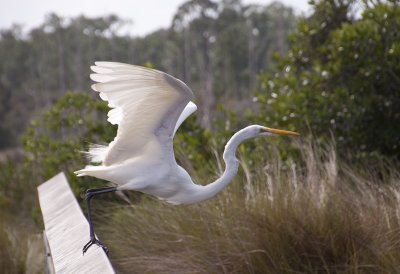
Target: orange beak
{"x":281,"y":132}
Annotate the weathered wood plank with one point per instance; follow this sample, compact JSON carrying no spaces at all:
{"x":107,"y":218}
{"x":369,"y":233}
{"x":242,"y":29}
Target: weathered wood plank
{"x":67,"y":230}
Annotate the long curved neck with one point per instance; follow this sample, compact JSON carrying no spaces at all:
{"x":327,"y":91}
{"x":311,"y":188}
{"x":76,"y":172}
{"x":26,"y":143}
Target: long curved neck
{"x":232,"y":164}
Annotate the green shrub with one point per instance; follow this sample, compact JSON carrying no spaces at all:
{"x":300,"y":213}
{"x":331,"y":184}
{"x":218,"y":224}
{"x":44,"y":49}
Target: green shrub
{"x":341,"y":77}
{"x":56,"y":140}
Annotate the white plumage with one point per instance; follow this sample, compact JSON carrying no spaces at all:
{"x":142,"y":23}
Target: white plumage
{"x":149,"y":106}
{"x":146,"y":105}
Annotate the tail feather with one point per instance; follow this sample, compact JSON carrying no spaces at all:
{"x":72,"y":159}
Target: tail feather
{"x":96,"y":153}
{"x":89,"y":170}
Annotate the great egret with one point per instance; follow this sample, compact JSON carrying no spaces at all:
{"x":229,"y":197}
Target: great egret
{"x":149,"y":106}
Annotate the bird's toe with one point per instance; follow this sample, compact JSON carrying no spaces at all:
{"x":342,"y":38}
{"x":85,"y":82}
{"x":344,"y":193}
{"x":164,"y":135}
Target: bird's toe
{"x":96,"y":242}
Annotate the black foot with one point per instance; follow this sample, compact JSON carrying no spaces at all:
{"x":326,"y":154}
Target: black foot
{"x":96,"y":242}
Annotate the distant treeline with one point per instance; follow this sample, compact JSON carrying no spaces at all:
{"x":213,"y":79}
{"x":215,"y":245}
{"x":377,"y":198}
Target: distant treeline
{"x":218,"y":48}
{"x":334,"y":73}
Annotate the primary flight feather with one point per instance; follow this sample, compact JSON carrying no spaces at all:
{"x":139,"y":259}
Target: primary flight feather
{"x":149,"y":106}
{"x":145,"y":102}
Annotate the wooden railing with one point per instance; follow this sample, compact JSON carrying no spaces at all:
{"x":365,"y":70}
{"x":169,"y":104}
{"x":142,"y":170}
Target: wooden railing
{"x":67,"y":231}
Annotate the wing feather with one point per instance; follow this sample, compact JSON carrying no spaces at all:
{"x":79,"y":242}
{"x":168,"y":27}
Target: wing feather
{"x":146,"y":104}
{"x":189,"y":109}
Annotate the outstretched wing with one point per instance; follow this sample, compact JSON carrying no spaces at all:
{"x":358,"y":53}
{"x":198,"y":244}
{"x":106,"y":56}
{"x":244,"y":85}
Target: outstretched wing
{"x":146,"y":105}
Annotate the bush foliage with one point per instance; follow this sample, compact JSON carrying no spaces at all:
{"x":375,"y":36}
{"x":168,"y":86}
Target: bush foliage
{"x":342,"y":77}
{"x":56,"y":141}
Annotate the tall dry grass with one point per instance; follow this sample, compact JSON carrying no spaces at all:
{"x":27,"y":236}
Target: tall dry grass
{"x":21,"y":243}
{"x":312,"y":215}
{"x":21,"y":251}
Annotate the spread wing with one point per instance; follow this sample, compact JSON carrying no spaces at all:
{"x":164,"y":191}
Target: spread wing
{"x":146,"y":104}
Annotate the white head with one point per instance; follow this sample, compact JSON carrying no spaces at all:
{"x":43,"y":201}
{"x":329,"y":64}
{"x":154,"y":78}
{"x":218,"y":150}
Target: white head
{"x":248,"y":133}
{"x":257,"y":130}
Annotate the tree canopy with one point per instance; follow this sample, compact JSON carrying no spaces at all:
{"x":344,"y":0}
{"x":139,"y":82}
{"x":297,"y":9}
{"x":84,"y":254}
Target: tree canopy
{"x":218,"y":48}
{"x":341,"y":77}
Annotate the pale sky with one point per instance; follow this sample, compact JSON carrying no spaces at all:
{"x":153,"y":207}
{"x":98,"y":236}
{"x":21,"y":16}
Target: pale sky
{"x":146,"y":15}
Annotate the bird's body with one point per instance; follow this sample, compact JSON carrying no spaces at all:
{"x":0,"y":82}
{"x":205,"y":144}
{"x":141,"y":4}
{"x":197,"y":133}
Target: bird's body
{"x":155,"y":177}
{"x":149,"y":106}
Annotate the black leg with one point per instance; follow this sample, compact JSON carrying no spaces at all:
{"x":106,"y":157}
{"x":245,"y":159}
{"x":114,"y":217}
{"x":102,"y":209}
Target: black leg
{"x":90,"y":193}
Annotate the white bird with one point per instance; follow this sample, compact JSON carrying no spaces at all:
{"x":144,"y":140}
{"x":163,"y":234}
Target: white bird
{"x":149,"y":106}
